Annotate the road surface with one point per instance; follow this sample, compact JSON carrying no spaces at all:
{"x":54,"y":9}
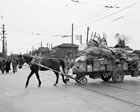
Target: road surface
{"x":96,"y":96}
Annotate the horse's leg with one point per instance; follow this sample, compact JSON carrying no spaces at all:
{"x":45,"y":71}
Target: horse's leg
{"x":63,"y":79}
{"x":57,"y":77}
{"x":28,"y":78}
{"x":38,"y":78}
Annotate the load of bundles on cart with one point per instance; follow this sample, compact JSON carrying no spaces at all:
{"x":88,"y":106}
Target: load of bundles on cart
{"x":100,"y":61}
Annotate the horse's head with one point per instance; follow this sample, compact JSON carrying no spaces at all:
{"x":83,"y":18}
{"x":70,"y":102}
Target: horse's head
{"x":21,"y":61}
{"x":24,"y":59}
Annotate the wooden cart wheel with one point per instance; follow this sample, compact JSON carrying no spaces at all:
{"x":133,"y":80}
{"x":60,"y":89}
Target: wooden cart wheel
{"x":106,"y":76}
{"x":83,"y":80}
{"x":117,"y":75}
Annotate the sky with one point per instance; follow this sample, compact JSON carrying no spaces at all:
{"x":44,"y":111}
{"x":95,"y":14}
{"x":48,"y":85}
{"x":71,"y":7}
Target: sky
{"x":28,"y":22}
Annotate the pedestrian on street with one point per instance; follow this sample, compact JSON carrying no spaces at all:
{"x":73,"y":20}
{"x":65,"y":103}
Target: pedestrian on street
{"x":3,"y":65}
{"x":14,"y":65}
{"x":8,"y":63}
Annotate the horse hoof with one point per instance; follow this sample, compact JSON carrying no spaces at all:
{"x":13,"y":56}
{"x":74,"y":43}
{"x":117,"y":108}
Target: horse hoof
{"x":39,"y":85}
{"x":26,"y":85}
{"x":54,"y":85}
{"x":65,"y":82}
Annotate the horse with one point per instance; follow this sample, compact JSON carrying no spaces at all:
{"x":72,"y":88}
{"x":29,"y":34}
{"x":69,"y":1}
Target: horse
{"x":44,"y":64}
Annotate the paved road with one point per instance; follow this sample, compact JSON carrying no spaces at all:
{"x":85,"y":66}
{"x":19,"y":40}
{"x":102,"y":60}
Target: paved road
{"x":96,"y":96}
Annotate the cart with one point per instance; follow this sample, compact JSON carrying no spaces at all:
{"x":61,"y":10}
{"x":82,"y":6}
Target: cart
{"x":105,"y":68}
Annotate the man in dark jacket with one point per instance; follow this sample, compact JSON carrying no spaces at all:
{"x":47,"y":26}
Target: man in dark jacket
{"x":3,"y":65}
{"x":8,"y":63}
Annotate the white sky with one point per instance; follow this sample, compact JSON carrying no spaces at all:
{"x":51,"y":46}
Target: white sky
{"x":24,"y":18}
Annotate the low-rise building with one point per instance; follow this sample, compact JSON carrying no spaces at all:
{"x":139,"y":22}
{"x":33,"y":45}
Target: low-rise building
{"x":64,"y":49}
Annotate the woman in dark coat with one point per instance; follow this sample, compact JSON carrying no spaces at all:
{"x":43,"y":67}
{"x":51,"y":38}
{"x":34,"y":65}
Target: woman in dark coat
{"x":8,"y":63}
{"x":3,"y":65}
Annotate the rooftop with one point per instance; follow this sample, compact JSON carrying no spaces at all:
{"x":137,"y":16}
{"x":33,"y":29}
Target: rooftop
{"x":66,"y":45}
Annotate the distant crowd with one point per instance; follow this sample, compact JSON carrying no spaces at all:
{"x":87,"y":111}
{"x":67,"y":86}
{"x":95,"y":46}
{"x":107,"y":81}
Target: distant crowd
{"x":7,"y":64}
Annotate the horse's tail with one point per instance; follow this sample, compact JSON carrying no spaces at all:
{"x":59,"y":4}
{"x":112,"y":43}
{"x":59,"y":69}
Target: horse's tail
{"x":62,"y":63}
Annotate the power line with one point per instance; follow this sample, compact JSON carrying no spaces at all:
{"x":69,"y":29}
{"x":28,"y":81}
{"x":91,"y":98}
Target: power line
{"x":106,"y":7}
{"x":97,"y":13}
{"x":84,"y":3}
{"x":101,"y":11}
{"x":117,"y":18}
{"x":111,"y":14}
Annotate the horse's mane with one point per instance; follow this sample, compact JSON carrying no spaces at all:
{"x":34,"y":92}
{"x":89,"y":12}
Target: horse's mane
{"x":27,"y":58}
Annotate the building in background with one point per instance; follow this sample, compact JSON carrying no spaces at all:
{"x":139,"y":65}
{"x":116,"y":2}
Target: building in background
{"x":41,"y":51}
{"x":64,"y":49}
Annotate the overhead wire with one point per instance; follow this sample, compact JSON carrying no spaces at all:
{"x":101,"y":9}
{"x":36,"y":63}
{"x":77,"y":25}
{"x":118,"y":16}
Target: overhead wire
{"x":117,"y":19}
{"x":96,"y":14}
{"x":122,"y":15}
{"x":110,"y":14}
{"x":126,"y":15}
{"x":102,"y":11}
{"x":99,"y":12}
{"x":85,"y":3}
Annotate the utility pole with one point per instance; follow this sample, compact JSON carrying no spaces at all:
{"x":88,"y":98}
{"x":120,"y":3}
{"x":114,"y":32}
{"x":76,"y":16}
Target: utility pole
{"x":47,"y":45}
{"x":51,"y":46}
{"x":32,"y":51}
{"x":3,"y":41}
{"x":80,"y":39}
{"x":87,"y":34}
{"x":41,"y":44}
{"x":72,"y":41}
{"x":27,"y":51}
